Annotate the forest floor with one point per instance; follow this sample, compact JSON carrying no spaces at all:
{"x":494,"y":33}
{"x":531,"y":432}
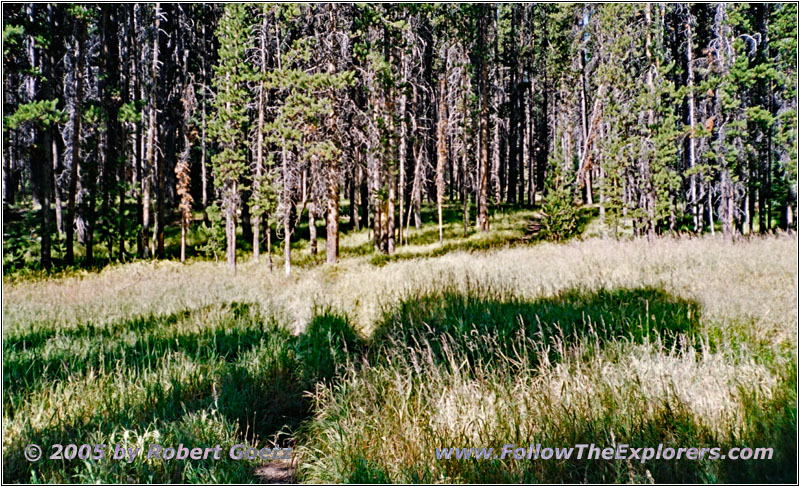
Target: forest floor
{"x":366,"y":367}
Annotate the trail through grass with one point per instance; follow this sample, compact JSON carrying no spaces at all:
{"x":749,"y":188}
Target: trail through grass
{"x":365,"y":369}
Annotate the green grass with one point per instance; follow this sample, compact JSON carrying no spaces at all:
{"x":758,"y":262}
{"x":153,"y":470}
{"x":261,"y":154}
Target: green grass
{"x":218,"y":374}
{"x":368,"y":366}
{"x":485,"y":368}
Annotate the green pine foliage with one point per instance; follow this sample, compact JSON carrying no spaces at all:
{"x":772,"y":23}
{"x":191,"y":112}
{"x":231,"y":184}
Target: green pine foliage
{"x":230,"y":124}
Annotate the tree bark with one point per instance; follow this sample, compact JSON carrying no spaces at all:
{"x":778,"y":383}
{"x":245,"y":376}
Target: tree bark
{"x":56,"y":188}
{"x":483,"y":208}
{"x":203,"y":170}
{"x":230,"y":238}
{"x":113,"y":156}
{"x":152,"y":156}
{"x":256,"y":218}
{"x":441,"y":151}
{"x":332,"y":228}
{"x":312,"y":228}
{"x":690,"y":84}
{"x":650,"y":198}
{"x":287,"y":213}
{"x":403,"y":149}
{"x":80,"y":55}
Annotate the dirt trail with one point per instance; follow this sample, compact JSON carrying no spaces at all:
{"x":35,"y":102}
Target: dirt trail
{"x":277,"y":472}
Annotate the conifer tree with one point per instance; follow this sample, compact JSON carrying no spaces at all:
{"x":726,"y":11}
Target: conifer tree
{"x":230,"y":124}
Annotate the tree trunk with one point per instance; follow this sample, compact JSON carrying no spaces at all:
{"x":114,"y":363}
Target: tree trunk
{"x":269,"y":241}
{"x":483,"y":208}
{"x":152,"y":156}
{"x":441,"y":151}
{"x":710,"y":210}
{"x":90,"y":183}
{"x":138,"y":93}
{"x":403,"y":149}
{"x":47,"y":146}
{"x":498,"y":197}
{"x":256,"y":218}
{"x":585,"y":171}
{"x":690,"y":84}
{"x":416,"y":190}
{"x":312,"y":228}
{"x":391,"y":172}
{"x":111,"y":86}
{"x":363,"y":189}
{"x":352,"y":213}
{"x":47,"y":153}
{"x":287,"y":213}
{"x":332,"y":228}
{"x":726,"y":205}
{"x":230,"y":238}
{"x":56,"y":188}
{"x":80,"y":55}
{"x":650,"y":198}
{"x":203,"y":170}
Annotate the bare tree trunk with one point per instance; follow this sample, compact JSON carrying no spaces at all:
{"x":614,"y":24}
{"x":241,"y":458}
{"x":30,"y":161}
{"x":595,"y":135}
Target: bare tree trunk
{"x":496,"y":184}
{"x":483,"y":208}
{"x":377,"y":210}
{"x":414,"y":205}
{"x":312,"y":227}
{"x":269,"y":242}
{"x":690,"y":83}
{"x":710,"y":210}
{"x":47,"y":151}
{"x":287,"y":213}
{"x":531,"y":131}
{"x":389,"y":223}
{"x":416,"y":190}
{"x":203,"y":170}
{"x":137,"y":92}
{"x":57,"y":190}
{"x":352,"y":210}
{"x":256,"y":218}
{"x":465,"y":191}
{"x":585,"y":132}
{"x":649,"y":190}
{"x":726,"y":204}
{"x":124,"y":141}
{"x":230,"y":238}
{"x":332,"y":228}
{"x":601,"y":179}
{"x":183,"y":243}
{"x":47,"y":184}
{"x":76,"y":137}
{"x":152,"y":155}
{"x":441,"y":150}
{"x":363,"y":190}
{"x":403,"y":149}
{"x":391,"y":172}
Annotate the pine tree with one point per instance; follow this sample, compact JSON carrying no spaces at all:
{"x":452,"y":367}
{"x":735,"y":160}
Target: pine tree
{"x":230,"y":124}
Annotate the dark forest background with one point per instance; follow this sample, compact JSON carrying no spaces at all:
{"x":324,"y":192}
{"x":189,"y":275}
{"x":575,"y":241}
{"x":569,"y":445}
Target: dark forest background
{"x":122,"y":121}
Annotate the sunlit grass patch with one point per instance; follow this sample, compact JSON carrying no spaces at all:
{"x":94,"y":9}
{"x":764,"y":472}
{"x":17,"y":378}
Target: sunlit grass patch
{"x":486,"y":340}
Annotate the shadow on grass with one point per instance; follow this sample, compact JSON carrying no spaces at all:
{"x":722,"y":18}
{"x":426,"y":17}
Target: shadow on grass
{"x":37,"y":358}
{"x":769,"y":424}
{"x":486,"y":325}
{"x":224,"y":361}
{"x":492,"y":330}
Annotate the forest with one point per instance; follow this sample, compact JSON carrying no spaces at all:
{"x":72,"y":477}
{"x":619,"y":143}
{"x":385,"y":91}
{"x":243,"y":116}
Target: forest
{"x":234,"y":123}
{"x":366,"y":234}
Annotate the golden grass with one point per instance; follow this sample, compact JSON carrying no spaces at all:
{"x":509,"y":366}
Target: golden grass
{"x":747,"y":293}
{"x":754,"y":281}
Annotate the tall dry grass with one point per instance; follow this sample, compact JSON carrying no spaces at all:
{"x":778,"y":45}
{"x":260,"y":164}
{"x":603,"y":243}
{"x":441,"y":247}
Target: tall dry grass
{"x":726,"y":378}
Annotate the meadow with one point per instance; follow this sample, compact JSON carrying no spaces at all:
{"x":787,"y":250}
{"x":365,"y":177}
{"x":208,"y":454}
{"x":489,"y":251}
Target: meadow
{"x":366,"y":367}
